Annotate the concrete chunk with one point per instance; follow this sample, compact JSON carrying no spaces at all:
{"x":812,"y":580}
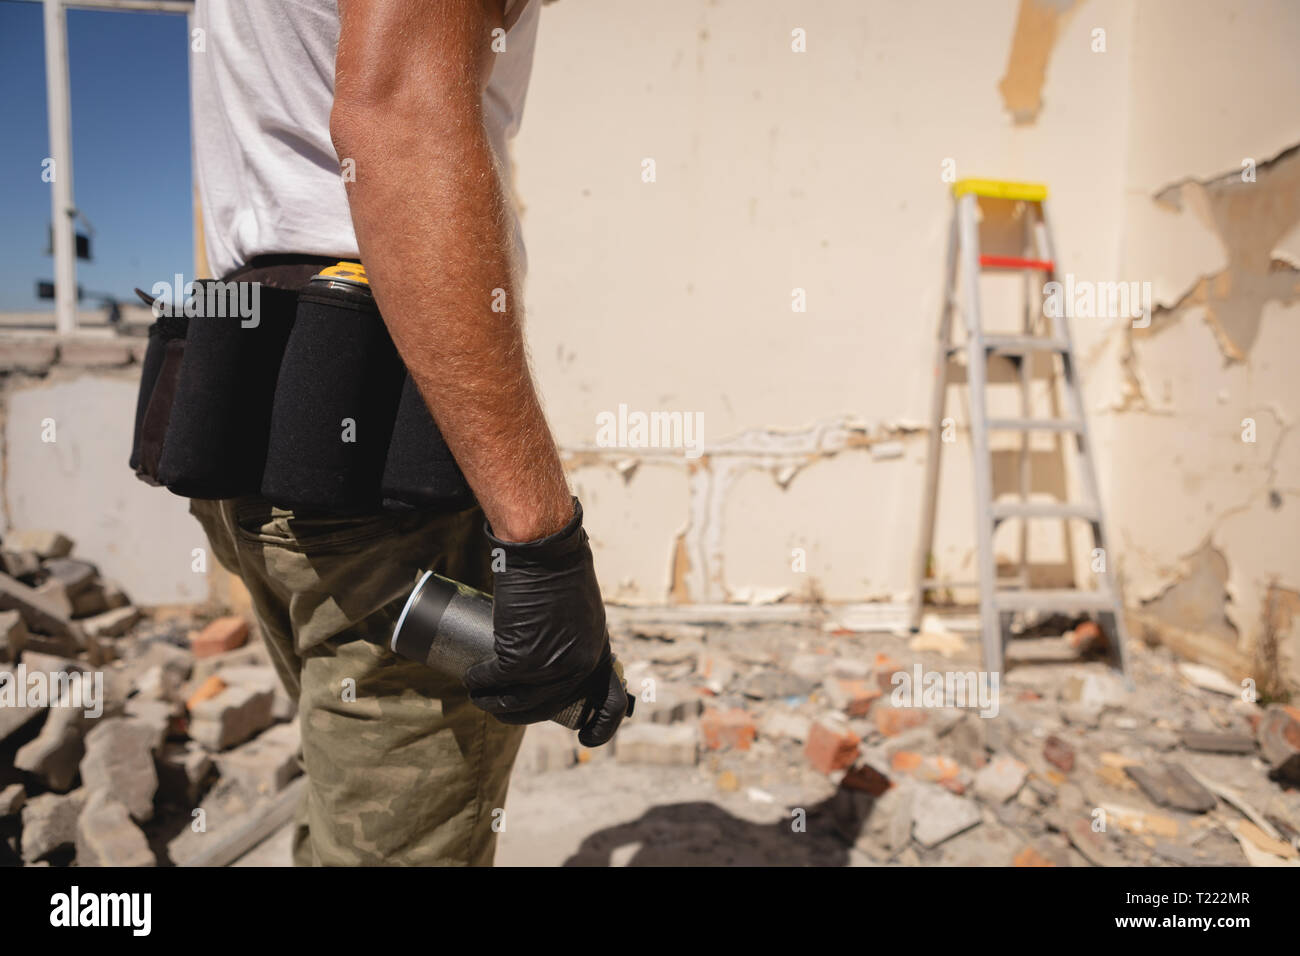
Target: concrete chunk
{"x":20,"y":564}
{"x":1000,"y":780}
{"x":250,"y":654}
{"x":262,"y":677}
{"x":106,"y":836}
{"x":50,"y":823}
{"x":938,"y":815}
{"x":12,"y":799}
{"x":266,"y":764}
{"x":112,"y":623}
{"x":547,"y":746}
{"x":658,"y":744}
{"x":73,"y":574}
{"x":232,"y":717}
{"x":160,"y":716}
{"x":46,"y":544}
{"x":38,"y":612}
{"x":1169,"y":785}
{"x":57,"y":750}
{"x":13,"y":636}
{"x":119,"y":759}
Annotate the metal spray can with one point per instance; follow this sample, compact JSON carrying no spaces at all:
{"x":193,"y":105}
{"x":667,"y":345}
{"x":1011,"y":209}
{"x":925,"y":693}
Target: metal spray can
{"x":448,"y":627}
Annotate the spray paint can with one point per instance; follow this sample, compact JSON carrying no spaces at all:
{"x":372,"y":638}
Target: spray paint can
{"x":448,"y":627}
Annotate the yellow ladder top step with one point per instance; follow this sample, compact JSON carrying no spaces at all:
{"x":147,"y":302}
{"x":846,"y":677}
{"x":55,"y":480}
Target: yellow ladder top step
{"x":1000,"y":189}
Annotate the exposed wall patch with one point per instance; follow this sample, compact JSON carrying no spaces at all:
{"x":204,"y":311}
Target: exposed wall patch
{"x":1038,"y":24}
{"x":1250,"y":219}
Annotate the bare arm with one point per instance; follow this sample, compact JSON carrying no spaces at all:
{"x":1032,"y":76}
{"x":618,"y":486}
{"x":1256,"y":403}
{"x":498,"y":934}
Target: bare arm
{"x":434,"y":231}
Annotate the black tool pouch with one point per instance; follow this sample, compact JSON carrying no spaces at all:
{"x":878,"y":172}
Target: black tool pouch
{"x":215,"y":446}
{"x":309,"y":406}
{"x":158,"y":378}
{"x":420,"y":470}
{"x":335,"y":406}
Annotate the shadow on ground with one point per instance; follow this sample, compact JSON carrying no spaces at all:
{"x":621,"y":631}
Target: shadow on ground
{"x":704,"y":834}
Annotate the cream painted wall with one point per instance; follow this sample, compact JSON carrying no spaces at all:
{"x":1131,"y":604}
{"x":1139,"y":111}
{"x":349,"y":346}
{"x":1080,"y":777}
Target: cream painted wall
{"x":822,"y":170}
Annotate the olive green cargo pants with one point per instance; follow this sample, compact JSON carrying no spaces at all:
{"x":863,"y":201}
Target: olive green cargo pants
{"x":401,"y":768}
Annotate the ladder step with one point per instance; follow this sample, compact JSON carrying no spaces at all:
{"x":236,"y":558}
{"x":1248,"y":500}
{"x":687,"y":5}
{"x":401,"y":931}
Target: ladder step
{"x":1019,"y":344}
{"x":1035,"y":424}
{"x":1047,"y":509}
{"x":1064,"y":600}
{"x":1016,"y":345}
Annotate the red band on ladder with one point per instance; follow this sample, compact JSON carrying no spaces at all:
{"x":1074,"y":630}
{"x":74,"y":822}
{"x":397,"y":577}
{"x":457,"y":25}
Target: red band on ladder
{"x":1012,"y":262}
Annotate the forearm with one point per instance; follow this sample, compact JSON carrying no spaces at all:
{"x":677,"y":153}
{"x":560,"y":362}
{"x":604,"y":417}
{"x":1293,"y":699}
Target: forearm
{"x":435,"y":235}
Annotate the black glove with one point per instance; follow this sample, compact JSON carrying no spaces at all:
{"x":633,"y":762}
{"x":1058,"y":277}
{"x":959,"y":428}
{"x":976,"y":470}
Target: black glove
{"x":550,"y":639}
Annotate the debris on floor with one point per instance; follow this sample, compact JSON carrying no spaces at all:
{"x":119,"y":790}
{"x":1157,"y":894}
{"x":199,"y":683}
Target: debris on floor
{"x":774,"y":744}
{"x":127,"y":738}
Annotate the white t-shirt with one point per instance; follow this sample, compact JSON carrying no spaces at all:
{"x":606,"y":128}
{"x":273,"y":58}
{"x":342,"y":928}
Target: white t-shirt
{"x":261,"y":92}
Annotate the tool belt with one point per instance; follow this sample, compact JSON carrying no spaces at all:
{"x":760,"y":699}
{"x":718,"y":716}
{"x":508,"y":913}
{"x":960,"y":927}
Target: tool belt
{"x":306,"y":403}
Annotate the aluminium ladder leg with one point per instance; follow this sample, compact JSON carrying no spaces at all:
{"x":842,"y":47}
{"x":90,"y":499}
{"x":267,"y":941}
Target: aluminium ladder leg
{"x":996,"y":604}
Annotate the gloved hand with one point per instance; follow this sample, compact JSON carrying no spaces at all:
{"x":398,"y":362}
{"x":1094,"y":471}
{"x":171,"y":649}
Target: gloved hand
{"x":550,"y":639}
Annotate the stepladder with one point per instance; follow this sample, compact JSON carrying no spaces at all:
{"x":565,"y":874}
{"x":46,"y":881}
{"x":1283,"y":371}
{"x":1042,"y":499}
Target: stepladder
{"x":1036,"y":430}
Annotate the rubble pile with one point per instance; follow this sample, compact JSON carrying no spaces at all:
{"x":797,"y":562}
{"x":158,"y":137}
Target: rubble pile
{"x":126,"y":738}
{"x":1073,"y":766}
{"x":151,"y":735}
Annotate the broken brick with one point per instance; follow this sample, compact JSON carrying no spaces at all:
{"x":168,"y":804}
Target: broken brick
{"x":852,"y":696}
{"x":830,"y":746}
{"x":730,"y":729}
{"x":1279,"y":741}
{"x":223,"y":634}
{"x":906,"y":761}
{"x":892,"y":721}
{"x":210,"y":688}
{"x":866,"y":779}
{"x":1058,"y":753}
{"x":1031,"y":857}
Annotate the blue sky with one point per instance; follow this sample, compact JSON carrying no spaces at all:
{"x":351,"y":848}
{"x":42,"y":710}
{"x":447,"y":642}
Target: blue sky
{"x":130,"y":150}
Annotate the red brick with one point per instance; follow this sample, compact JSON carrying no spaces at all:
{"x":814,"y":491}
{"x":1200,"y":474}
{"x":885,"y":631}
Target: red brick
{"x":1278,"y":734}
{"x":906,"y":761}
{"x":883,"y":670}
{"x":860,"y":695}
{"x":936,"y":769}
{"x":210,"y":688}
{"x":1058,"y":753}
{"x":892,"y":721}
{"x":1088,"y":638}
{"x":1031,"y":857}
{"x":867,"y":779}
{"x":727,"y":730}
{"x":829,"y":748}
{"x":223,"y":634}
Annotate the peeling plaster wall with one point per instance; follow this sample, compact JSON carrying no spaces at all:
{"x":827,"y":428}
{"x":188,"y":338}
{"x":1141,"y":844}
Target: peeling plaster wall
{"x":822,"y":171}
{"x":1209,"y":523}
